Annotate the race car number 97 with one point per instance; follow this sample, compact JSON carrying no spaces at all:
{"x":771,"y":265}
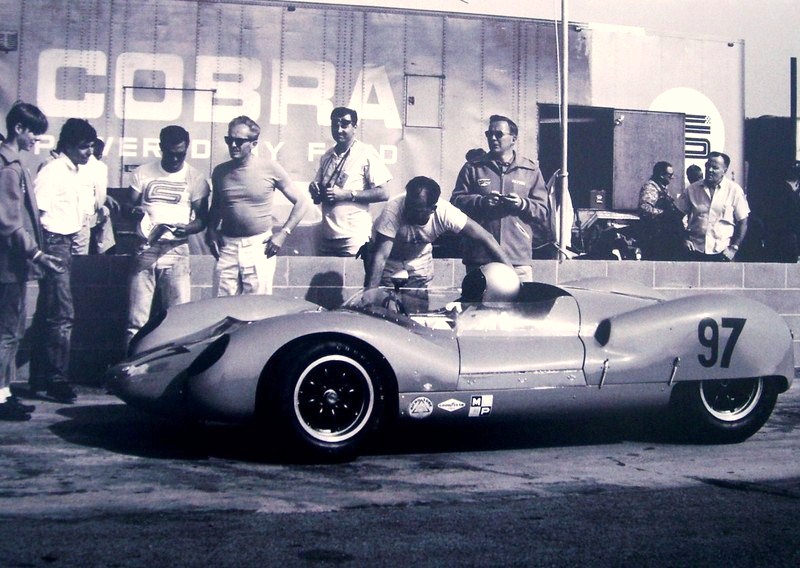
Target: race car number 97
{"x":709,"y":337}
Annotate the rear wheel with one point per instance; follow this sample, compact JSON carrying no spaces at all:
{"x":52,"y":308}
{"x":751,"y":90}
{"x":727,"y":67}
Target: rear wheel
{"x":724,"y":411}
{"x":328,"y":398}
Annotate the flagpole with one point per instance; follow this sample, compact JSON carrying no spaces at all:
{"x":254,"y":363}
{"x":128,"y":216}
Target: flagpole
{"x":564,"y":226}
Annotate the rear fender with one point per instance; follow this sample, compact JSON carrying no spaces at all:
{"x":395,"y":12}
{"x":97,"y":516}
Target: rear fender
{"x":710,"y":336}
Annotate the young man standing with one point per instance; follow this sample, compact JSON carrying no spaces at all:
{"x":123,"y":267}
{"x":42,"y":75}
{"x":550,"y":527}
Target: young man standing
{"x":20,"y":242}
{"x":240,"y":231}
{"x":58,"y":195}
{"x":173,"y":194}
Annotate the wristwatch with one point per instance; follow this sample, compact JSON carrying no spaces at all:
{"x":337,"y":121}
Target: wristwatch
{"x":352,"y":195}
{"x":735,"y":247}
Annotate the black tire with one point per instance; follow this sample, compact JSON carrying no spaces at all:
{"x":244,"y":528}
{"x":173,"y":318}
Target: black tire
{"x":328,"y":400}
{"x":723,"y":411}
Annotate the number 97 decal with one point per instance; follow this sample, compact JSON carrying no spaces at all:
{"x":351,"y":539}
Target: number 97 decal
{"x":708,"y":335}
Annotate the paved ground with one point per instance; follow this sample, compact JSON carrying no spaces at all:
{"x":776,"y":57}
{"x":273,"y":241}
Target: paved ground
{"x":141,"y":490}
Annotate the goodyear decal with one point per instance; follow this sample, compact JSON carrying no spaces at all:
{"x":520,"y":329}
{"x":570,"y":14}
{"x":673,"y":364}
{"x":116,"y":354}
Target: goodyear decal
{"x":451,"y":405}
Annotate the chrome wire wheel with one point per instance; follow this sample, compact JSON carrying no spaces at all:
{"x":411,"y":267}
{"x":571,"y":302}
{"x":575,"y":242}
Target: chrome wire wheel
{"x":731,"y":400}
{"x":333,"y":398}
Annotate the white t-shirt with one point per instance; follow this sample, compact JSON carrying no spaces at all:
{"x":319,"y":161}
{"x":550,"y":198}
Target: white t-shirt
{"x":412,"y":243}
{"x":167,"y":197}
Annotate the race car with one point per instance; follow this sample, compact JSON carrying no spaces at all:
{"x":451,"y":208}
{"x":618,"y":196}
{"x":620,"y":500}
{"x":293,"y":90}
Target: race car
{"x":324,"y":382}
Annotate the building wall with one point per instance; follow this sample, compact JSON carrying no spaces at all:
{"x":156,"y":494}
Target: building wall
{"x":100,"y":290}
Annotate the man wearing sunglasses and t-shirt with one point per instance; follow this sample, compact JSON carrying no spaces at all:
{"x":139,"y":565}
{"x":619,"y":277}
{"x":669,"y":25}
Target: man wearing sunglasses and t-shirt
{"x":240,"y":232}
{"x":350,"y":176}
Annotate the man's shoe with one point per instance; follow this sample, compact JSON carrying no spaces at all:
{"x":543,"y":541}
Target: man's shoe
{"x":13,"y":400}
{"x":13,"y":413}
{"x":60,"y":391}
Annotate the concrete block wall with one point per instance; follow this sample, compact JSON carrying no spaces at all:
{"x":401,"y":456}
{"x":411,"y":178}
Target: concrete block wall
{"x":100,"y":291}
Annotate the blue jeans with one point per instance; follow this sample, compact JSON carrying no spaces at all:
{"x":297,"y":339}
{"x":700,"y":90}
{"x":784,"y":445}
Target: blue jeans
{"x":12,"y":326}
{"x":161,"y":266}
{"x":54,"y":317}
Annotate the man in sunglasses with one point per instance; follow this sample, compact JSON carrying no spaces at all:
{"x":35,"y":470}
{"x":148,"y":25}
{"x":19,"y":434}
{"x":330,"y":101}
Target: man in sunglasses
{"x":506,"y":194}
{"x":661,"y":232}
{"x":240,"y":232}
{"x":173,"y":195}
{"x":350,"y":176}
{"x":405,"y":231}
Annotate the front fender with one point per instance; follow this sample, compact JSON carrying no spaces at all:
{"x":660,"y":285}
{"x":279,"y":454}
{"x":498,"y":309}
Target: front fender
{"x":421,"y":360}
{"x":708,"y":336}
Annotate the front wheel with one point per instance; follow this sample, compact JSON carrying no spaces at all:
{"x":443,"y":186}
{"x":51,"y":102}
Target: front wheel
{"x":723,"y":411}
{"x":328,"y":398}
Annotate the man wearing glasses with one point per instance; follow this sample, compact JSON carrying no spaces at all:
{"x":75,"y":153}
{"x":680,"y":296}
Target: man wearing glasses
{"x":661,"y":231}
{"x":350,"y":176}
{"x":240,"y":232}
{"x":506,"y":194}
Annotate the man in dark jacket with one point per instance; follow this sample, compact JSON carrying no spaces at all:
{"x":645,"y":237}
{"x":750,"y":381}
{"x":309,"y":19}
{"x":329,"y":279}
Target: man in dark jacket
{"x":506,"y":194}
{"x":20,"y":241}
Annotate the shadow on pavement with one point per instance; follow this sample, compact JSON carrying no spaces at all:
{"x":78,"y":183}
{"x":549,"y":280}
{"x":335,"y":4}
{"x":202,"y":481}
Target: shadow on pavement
{"x":125,"y":430}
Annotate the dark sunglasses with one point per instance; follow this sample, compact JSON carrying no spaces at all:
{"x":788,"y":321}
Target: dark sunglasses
{"x":233,"y":140}
{"x":498,"y":134}
{"x":341,"y":122}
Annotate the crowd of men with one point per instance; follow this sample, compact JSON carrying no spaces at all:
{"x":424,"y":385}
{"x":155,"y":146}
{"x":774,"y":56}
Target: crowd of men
{"x":499,"y":204}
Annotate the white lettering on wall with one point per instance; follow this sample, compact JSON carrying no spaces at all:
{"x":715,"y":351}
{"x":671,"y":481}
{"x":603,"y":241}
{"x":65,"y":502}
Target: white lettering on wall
{"x":166,"y":65}
{"x":235,"y":80}
{"x":373,"y":82}
{"x":51,"y":62}
{"x":302,"y":83}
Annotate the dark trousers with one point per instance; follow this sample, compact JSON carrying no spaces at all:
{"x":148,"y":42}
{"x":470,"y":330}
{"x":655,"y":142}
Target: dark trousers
{"x":696,"y":256}
{"x":54,"y":317}
{"x":12,"y":326}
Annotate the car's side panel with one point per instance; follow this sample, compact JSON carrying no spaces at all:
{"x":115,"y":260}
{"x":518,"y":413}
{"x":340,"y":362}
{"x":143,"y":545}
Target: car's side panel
{"x":482,"y":404}
{"x":420,"y":359}
{"x":524,"y":345}
{"x":709,"y":336}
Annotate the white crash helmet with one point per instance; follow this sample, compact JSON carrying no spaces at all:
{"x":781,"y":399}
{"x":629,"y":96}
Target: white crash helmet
{"x":493,"y":282}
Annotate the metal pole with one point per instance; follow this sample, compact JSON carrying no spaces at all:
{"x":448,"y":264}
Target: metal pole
{"x":564,"y":185}
{"x":793,"y":104}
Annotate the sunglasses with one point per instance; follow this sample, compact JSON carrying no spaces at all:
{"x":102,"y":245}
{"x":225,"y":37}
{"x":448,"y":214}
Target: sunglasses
{"x":341,"y":122}
{"x":234,"y":141}
{"x":498,"y":134}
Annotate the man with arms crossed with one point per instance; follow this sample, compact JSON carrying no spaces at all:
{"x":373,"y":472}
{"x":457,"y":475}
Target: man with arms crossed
{"x":240,"y":231}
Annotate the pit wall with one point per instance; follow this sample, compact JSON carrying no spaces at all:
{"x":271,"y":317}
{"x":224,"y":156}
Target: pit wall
{"x":100,"y":292}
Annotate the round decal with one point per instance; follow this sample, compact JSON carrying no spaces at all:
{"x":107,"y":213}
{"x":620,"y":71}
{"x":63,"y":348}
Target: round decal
{"x":420,"y":407}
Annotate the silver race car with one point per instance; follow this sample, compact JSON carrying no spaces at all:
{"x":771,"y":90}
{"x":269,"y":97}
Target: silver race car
{"x":324,"y":382}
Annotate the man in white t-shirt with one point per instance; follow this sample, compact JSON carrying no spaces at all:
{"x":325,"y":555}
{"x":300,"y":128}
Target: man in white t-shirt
{"x":173,"y":197}
{"x":406,"y":229}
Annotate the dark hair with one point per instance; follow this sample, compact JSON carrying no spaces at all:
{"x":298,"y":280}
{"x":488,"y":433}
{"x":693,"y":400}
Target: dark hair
{"x":419,"y":183}
{"x":339,"y":112}
{"x":512,"y":126}
{"x":74,"y":132}
{"x":99,"y":146}
{"x":248,"y":122}
{"x":694,"y":171}
{"x":660,"y":168}
{"x":29,"y":116}
{"x":725,"y":157}
{"x":172,"y":135}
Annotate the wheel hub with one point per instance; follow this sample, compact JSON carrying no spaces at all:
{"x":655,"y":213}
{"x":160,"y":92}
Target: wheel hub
{"x":331,"y":397}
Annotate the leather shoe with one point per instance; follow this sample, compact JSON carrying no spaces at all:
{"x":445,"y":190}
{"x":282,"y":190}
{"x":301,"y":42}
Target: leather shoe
{"x":13,"y":400}
{"x":60,"y":391}
{"x":13,"y":413}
